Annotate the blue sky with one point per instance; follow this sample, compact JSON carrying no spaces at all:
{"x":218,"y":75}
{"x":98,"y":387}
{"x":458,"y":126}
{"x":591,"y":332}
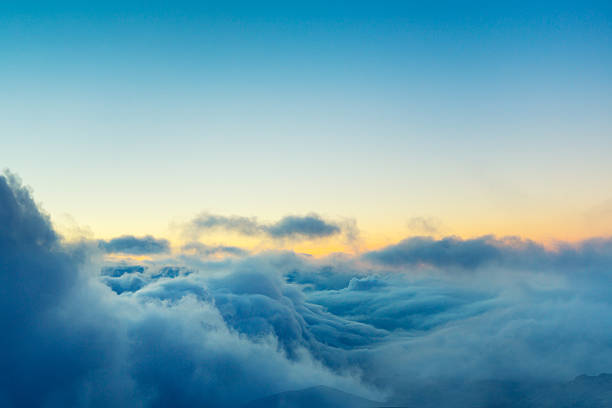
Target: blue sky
{"x":491,"y":118}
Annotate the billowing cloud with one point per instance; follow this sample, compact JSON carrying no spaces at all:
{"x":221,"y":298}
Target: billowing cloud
{"x":185,"y":331}
{"x":129,"y":244}
{"x":155,"y":340}
{"x":309,"y":226}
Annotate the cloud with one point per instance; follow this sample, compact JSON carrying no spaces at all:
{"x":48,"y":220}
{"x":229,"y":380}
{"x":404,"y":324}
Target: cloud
{"x":120,"y":270}
{"x":212,"y":250}
{"x":488,"y":252}
{"x":37,"y":349}
{"x":310,"y":226}
{"x":182,"y":331}
{"x":424,"y":225}
{"x":242,"y":225}
{"x":129,"y":244}
{"x":446,"y":252}
{"x":132,"y":335}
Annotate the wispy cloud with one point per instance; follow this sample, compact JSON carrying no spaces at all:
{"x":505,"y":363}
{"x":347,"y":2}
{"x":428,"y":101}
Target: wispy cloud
{"x":424,"y":225}
{"x":208,"y":250}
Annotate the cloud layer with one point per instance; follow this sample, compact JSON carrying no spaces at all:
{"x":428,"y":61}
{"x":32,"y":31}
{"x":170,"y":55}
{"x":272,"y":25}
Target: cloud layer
{"x":189,"y":330}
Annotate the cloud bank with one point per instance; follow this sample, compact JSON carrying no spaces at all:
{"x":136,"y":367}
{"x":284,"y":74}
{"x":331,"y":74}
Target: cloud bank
{"x":488,"y":251}
{"x":192,"y":331}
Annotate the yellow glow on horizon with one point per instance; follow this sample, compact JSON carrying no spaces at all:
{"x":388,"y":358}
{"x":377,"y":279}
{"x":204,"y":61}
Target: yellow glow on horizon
{"x":543,"y":227}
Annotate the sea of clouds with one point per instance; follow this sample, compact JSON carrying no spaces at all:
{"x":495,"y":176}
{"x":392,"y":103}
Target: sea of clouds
{"x":218,"y":326}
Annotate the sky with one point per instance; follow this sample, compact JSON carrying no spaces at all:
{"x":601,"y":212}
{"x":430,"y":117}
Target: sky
{"x":405,"y":118}
{"x":211,"y":203}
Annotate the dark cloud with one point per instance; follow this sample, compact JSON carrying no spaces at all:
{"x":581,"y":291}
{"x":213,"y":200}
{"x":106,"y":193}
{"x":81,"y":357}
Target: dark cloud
{"x":446,"y":252}
{"x":129,"y":244}
{"x":45,"y":358}
{"x":309,"y":226}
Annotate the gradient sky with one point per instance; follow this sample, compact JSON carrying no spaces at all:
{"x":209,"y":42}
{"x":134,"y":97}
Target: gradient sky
{"x":487,"y":117}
